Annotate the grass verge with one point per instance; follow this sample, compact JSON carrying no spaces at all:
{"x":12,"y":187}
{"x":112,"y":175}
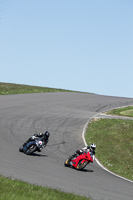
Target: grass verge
{"x":114,"y":140}
{"x":15,"y":189}
{"x":10,"y":88}
{"x":126,"y":111}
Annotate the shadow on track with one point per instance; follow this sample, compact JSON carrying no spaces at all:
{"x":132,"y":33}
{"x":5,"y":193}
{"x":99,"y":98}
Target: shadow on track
{"x":86,"y":170}
{"x":82,"y":170}
{"x":39,"y":155}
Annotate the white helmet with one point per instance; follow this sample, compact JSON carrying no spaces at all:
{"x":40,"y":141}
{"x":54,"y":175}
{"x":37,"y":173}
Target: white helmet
{"x":93,"y":146}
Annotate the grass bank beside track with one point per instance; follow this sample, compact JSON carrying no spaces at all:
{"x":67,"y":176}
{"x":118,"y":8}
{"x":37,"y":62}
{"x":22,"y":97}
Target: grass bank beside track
{"x":10,"y":88}
{"x":114,"y":139}
{"x":125,"y":111}
{"x":15,"y":189}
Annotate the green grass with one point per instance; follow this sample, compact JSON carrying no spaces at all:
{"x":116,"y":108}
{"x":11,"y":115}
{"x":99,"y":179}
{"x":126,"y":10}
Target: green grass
{"x":126,"y":111}
{"x":114,"y":140}
{"x":10,"y":88}
{"x":15,"y":189}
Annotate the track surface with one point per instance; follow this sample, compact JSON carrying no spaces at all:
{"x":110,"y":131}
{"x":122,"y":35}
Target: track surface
{"x":64,"y":115}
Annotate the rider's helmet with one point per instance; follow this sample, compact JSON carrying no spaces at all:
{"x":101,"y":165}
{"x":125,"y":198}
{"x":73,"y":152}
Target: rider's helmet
{"x":47,"y":134}
{"x":93,"y":146}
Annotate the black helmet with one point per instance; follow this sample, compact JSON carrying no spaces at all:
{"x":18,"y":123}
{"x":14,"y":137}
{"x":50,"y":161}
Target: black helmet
{"x":47,"y":134}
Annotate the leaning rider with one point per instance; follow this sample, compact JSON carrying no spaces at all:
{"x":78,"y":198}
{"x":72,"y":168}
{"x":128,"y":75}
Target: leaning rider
{"x":43,"y":136}
{"x":87,"y":149}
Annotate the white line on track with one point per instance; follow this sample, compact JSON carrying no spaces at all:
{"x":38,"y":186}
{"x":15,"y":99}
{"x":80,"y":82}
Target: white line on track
{"x":83,"y":136}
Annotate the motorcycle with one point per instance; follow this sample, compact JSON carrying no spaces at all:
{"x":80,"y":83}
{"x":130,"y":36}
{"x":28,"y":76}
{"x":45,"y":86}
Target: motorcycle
{"x":31,"y":146}
{"x":79,"y":162}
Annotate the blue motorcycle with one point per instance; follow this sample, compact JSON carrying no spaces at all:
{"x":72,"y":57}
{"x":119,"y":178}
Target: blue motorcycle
{"x":31,"y":146}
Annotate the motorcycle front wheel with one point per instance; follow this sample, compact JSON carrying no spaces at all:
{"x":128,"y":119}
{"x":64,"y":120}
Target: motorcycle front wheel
{"x":31,"y":149}
{"x":21,"y":149}
{"x":81,"y":165}
{"x":67,"y":162}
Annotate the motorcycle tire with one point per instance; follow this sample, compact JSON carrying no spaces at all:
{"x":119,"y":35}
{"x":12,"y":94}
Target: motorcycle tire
{"x":21,"y":149}
{"x":67,"y":161}
{"x":31,"y":149}
{"x":81,"y":165}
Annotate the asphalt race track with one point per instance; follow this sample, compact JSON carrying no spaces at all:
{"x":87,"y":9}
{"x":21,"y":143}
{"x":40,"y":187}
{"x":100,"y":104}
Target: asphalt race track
{"x":64,"y":116}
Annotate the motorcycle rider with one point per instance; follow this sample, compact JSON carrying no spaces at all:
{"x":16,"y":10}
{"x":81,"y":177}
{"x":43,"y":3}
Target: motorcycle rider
{"x":87,"y":149}
{"x":44,"y":137}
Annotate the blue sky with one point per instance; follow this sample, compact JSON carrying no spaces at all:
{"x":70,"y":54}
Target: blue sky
{"x":81,"y":45}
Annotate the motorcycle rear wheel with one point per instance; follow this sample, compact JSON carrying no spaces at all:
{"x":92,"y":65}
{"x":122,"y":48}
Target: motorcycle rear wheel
{"x":31,"y":149}
{"x":81,"y":165}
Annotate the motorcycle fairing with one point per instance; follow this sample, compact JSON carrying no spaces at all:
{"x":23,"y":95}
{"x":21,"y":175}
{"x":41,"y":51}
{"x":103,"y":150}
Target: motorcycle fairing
{"x":27,"y":145}
{"x":84,"y":157}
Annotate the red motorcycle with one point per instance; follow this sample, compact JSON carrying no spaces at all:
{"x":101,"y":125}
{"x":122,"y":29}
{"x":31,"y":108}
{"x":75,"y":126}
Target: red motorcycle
{"x":79,"y":162}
